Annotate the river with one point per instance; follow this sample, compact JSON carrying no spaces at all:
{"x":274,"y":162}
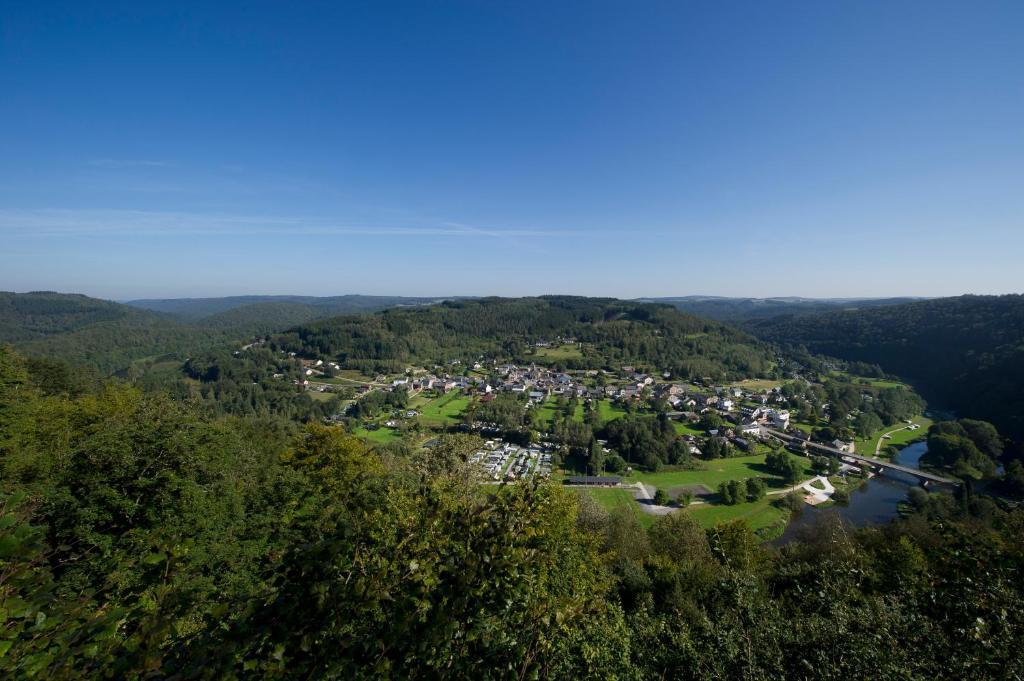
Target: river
{"x":873,"y":503}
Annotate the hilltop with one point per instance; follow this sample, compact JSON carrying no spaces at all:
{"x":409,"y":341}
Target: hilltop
{"x":312,"y":306}
{"x":110,"y":336}
{"x":964,"y":353}
{"x":742,"y":310}
{"x":609,"y":333}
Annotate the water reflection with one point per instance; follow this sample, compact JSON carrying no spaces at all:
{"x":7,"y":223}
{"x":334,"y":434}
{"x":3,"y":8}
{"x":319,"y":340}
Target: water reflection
{"x":874,"y":502}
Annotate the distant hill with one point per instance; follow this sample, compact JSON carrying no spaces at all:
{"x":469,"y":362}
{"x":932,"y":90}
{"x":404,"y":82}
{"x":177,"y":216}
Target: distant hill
{"x":741,"y":310}
{"x":99,"y":333}
{"x":39,"y":314}
{"x":612,"y":332}
{"x":964,"y":353}
{"x":326,"y":306}
{"x":110,"y":336}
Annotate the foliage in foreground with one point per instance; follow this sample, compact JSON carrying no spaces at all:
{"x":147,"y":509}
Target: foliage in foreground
{"x":140,"y":539}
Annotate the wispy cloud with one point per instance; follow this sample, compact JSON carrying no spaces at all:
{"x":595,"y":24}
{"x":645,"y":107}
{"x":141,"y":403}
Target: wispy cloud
{"x":102,"y":223}
{"x":129,"y":163}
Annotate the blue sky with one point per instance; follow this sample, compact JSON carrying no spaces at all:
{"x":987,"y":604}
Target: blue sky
{"x":600,"y":148}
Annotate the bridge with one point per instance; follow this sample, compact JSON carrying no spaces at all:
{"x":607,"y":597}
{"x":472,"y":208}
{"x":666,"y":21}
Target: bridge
{"x":924,"y":476}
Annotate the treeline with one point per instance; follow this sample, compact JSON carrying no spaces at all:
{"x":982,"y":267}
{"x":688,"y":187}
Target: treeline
{"x":140,"y":538}
{"x":111,"y":337}
{"x":254,"y":382}
{"x":612,"y":332}
{"x":964,"y":354}
{"x":975,"y":452}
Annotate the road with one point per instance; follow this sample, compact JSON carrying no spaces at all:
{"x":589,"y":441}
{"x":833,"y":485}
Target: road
{"x":644,"y":494}
{"x":878,"y":463}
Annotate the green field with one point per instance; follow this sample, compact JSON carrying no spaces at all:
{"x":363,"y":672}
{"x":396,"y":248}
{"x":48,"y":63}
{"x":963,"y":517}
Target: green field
{"x":717,"y":471}
{"x":550,"y":408}
{"x":547,"y":412}
{"x":613,"y":499}
{"x":562,"y":352}
{"x":756,"y":384}
{"x":872,"y":384}
{"x":382,"y":435}
{"x":762,"y":516}
{"x":899,"y":438}
{"x":609,"y":411}
{"x":687,"y":429}
{"x":445,"y":410}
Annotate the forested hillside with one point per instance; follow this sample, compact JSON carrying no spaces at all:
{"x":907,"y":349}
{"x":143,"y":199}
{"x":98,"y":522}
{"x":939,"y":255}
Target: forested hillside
{"x":110,"y":336}
{"x":610,"y":333}
{"x":742,"y":310}
{"x":964,"y":353}
{"x":31,"y":316}
{"x":314,"y":306}
{"x":142,"y":539}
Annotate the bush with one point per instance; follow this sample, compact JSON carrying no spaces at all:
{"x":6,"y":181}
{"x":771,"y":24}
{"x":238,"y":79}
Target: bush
{"x":661,"y":497}
{"x":794,"y":501}
{"x":917,"y":497}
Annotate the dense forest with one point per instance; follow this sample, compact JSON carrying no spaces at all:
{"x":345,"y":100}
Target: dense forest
{"x":309,"y":307}
{"x":142,"y":538}
{"x":965,"y":354}
{"x":743,"y":310}
{"x":110,"y":336}
{"x":611,"y":332}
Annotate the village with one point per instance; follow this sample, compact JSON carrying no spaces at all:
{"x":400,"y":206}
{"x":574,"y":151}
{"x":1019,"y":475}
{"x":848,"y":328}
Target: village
{"x":438,"y":396}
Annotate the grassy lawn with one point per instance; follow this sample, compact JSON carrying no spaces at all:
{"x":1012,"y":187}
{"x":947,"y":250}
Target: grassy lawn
{"x":872,"y":384}
{"x":687,"y":429}
{"x":899,"y":438}
{"x":876,"y":384}
{"x":445,"y":410}
{"x":756,"y":384}
{"x":548,"y":410}
{"x":718,"y":471}
{"x":761,"y":515}
{"x":381,"y":436}
{"x":562,"y":352}
{"x":347,"y":377}
{"x":609,"y":411}
{"x":613,"y":499}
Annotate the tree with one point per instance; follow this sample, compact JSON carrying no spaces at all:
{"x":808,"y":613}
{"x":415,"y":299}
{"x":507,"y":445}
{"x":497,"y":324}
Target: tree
{"x":824,"y":465}
{"x":661,"y":497}
{"x":710,"y":421}
{"x":733,"y":492}
{"x":714,"y":448}
{"x":596,"y":458}
{"x":783,"y":464}
{"x":614,"y":463}
{"x":725,"y":493}
{"x":756,"y":489}
{"x":866,"y":423}
{"x":985,"y":437}
{"x":1012,"y":482}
